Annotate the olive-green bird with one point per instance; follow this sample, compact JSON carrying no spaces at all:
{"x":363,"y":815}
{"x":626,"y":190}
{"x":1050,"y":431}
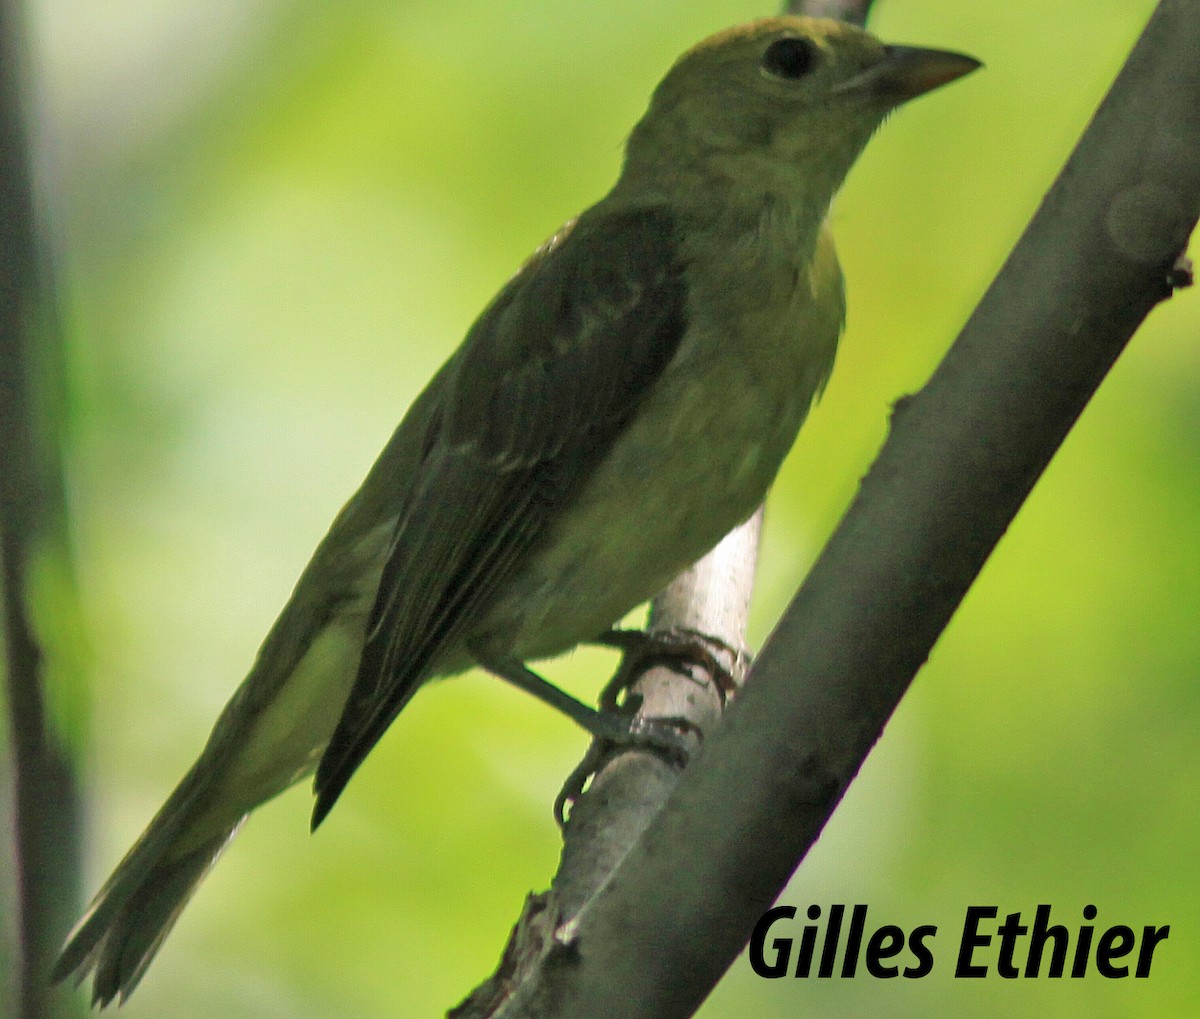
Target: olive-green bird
{"x":623,"y":402}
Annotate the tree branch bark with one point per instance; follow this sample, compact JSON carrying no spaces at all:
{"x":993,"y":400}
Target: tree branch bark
{"x":628,"y":788}
{"x":962,"y":456}
{"x":854,"y":11}
{"x":44,"y":797}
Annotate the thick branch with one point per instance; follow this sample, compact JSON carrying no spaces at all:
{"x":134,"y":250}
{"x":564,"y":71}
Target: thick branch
{"x":962,"y":457}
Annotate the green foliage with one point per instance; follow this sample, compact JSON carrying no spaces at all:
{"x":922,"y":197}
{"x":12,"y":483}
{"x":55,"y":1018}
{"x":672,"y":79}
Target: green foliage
{"x":275,"y":238}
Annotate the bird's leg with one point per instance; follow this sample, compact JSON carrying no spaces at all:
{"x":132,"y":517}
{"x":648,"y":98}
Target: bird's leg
{"x":618,"y":727}
{"x":601,"y":724}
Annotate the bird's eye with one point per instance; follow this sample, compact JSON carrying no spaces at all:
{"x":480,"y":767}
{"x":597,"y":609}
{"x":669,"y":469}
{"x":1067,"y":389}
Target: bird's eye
{"x":790,"y":58}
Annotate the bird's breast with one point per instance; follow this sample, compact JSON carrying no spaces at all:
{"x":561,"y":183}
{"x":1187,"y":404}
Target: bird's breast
{"x":695,"y":460}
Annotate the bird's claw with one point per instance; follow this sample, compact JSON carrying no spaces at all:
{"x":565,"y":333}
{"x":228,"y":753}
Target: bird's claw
{"x":1182,"y":274}
{"x":642,"y":649}
{"x":673,"y":740}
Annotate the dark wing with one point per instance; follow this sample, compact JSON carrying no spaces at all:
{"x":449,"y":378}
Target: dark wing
{"x":544,"y":383}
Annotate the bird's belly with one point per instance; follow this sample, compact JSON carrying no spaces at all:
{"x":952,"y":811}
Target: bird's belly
{"x":697,"y":461}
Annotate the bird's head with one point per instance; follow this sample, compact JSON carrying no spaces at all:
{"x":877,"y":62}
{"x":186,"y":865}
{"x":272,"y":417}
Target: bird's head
{"x":781,"y":106}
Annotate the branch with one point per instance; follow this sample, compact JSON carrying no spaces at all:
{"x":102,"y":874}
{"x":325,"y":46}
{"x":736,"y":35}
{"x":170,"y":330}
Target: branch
{"x":961,"y":458}
{"x":854,"y":11}
{"x":32,"y":513}
{"x":710,"y":599}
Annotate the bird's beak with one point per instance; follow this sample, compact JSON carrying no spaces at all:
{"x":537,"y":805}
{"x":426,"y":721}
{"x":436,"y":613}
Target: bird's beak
{"x":906,"y":72}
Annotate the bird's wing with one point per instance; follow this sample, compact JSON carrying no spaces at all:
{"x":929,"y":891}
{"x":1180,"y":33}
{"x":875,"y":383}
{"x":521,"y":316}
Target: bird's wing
{"x":545,"y":381}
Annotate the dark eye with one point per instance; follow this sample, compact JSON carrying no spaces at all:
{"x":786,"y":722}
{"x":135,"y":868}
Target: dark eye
{"x":789,"y":57}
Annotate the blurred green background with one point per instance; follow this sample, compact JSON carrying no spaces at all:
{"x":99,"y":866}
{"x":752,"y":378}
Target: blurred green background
{"x":275,"y":221}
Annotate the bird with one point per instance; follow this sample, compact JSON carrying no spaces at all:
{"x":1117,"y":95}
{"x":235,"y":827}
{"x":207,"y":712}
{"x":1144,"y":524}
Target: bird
{"x":624,"y":401}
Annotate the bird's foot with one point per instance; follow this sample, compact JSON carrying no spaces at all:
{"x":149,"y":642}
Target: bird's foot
{"x":696,"y":656}
{"x":672,"y":740}
{"x":679,"y":647}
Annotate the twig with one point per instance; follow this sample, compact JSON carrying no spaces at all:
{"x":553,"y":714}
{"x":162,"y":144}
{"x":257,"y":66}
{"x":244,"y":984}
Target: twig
{"x":854,"y":11}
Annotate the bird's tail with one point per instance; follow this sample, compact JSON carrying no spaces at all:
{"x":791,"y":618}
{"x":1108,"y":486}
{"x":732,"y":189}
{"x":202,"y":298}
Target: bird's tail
{"x":127,"y":921}
{"x":269,"y":737}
